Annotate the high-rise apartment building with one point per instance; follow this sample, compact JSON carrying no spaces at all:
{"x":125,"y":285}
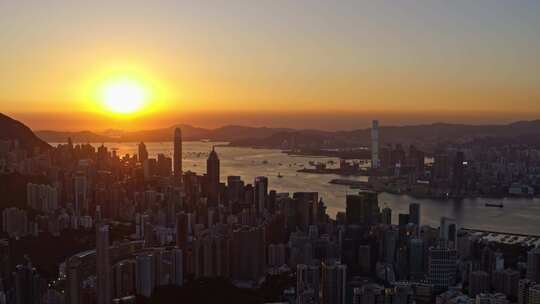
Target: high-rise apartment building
{"x":103,"y":266}
{"x":334,"y":283}
{"x":260,"y":192}
{"x":442,"y":267}
{"x":362,"y":209}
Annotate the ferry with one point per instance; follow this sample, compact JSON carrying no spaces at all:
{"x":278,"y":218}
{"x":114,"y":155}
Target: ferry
{"x":495,"y":205}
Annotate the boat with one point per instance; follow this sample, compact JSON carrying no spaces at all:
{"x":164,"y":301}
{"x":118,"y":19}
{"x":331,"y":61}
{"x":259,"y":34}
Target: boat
{"x":495,"y":205}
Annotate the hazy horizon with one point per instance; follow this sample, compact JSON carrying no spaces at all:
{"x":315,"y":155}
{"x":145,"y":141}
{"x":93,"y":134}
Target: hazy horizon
{"x":329,"y":121}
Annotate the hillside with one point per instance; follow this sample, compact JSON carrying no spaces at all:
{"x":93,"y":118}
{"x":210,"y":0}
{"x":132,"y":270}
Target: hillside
{"x":11,"y":129}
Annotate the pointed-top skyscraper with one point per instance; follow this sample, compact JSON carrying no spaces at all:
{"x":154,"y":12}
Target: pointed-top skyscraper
{"x":212,"y":174}
{"x":177,"y":165}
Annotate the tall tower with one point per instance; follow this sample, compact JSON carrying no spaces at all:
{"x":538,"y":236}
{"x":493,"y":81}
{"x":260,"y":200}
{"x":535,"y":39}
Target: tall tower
{"x":103,"y":267}
{"x":414,"y":213}
{"x":177,"y":152}
{"x":212,"y":173}
{"x":334,"y":282}
{"x":261,"y":192}
{"x":81,"y":188}
{"x":375,"y":161}
{"x":143,"y":153}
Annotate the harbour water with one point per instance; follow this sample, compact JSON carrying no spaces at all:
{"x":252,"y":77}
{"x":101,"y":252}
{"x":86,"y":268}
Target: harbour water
{"x":519,"y":215}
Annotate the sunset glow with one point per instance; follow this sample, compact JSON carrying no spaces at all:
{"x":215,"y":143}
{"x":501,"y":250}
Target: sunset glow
{"x":124,"y":96}
{"x":197,"y":62}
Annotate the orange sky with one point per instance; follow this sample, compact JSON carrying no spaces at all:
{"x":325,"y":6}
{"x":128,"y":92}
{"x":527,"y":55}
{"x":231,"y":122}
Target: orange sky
{"x":460,"y":61}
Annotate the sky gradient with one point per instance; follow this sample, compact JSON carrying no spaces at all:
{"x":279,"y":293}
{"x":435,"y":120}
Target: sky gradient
{"x":382,"y":57}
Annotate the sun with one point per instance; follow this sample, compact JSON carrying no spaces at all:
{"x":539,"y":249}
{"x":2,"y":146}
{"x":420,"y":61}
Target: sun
{"x":124,"y":96}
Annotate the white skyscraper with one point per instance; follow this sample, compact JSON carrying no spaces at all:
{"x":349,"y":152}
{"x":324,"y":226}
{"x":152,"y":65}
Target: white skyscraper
{"x":375,"y":161}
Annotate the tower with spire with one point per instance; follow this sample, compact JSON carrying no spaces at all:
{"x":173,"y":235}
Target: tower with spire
{"x":212,"y":175}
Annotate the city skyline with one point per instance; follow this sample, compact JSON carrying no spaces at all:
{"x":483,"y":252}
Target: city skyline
{"x":269,"y":151}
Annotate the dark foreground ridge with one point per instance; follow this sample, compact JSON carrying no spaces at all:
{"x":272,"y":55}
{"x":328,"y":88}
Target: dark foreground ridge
{"x":11,"y":129}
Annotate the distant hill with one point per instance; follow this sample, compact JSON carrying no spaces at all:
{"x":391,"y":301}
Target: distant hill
{"x":11,"y":129}
{"x":226,"y":133}
{"x":81,"y":136}
{"x":426,"y":135}
{"x":232,"y":133}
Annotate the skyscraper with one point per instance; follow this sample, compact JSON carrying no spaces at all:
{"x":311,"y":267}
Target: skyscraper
{"x":81,"y":190}
{"x":523,"y":291}
{"x":534,"y":294}
{"x":414,"y":213}
{"x":448,"y":232}
{"x":212,"y":174}
{"x":27,"y":284}
{"x":143,"y":153}
{"x":362,"y":209}
{"x":248,"y":253}
{"x":307,"y":284}
{"x":334,"y":282}
{"x":442,"y":267}
{"x":73,"y":280}
{"x":5,"y":259}
{"x":478,"y":283}
{"x":533,"y":264}
{"x":181,"y":230}
{"x":391,"y":237}
{"x":416,"y":259}
{"x":375,"y":162}
{"x":261,"y":192}
{"x":386,"y":216}
{"x":177,"y":167}
{"x":103,"y":267}
{"x":163,"y":165}
{"x":178,"y":267}
{"x":145,"y":274}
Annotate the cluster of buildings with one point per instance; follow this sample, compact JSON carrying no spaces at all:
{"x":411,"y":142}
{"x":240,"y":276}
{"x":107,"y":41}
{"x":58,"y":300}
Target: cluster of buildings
{"x":456,"y":171}
{"x":185,"y":226}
